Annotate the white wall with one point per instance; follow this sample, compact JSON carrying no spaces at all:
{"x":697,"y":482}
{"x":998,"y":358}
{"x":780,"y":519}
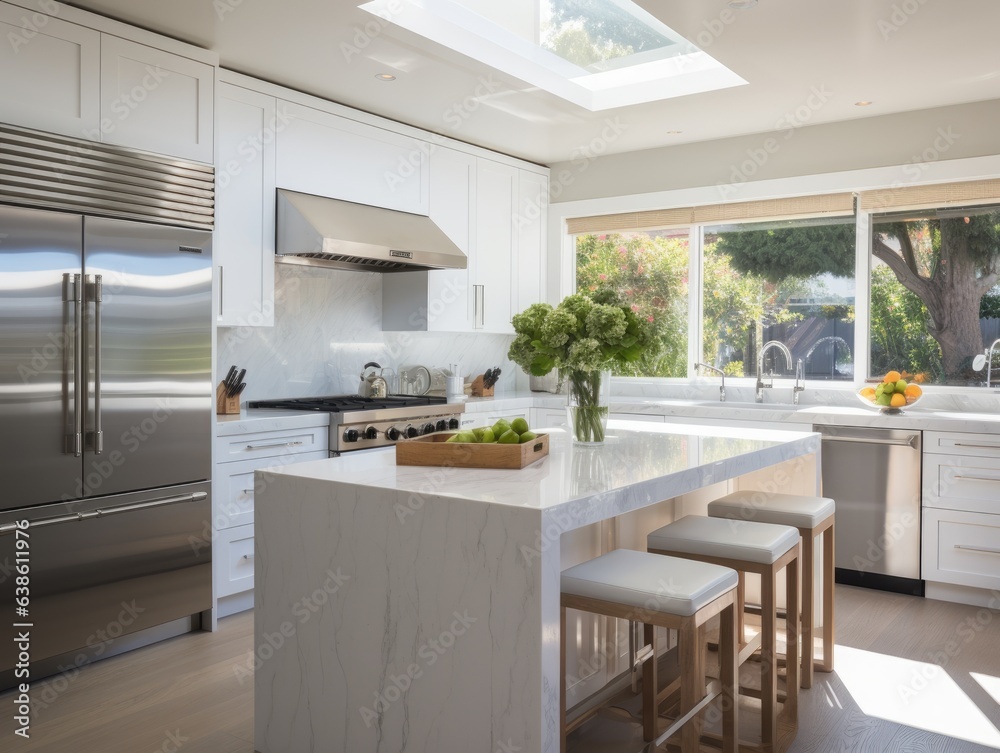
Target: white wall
{"x":327,"y":325}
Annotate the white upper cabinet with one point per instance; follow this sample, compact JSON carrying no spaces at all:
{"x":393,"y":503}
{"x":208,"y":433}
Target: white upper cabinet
{"x":530,"y":223}
{"x":327,"y":155}
{"x":244,"y":203}
{"x":49,"y":73}
{"x":496,"y":245}
{"x":156,"y":101}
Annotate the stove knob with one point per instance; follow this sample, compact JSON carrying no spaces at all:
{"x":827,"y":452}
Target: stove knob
{"x":394,"y":434}
{"x":371,"y":432}
{"x":427,"y":429}
{"x":351,"y":435}
{"x":453,"y":423}
{"x":411,"y":432}
{"x":441,"y":425}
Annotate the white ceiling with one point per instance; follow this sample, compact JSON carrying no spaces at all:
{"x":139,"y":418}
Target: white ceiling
{"x":810,"y":57}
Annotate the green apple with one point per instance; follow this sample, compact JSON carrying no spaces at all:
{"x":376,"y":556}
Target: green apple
{"x":901,"y":385}
{"x":487,"y":437}
{"x":528,"y":436}
{"x":479,"y":431}
{"x":519,"y":425}
{"x":885,"y":399}
{"x":509,"y":437}
{"x":500,"y":427}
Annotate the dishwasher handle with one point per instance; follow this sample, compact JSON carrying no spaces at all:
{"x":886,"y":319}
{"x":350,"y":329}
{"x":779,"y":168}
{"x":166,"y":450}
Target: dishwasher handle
{"x":910,"y":441}
{"x":105,"y":511}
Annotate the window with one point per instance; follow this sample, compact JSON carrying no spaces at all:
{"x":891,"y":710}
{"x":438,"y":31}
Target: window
{"x":934,"y":299}
{"x":790,"y":282}
{"x":649,"y":269}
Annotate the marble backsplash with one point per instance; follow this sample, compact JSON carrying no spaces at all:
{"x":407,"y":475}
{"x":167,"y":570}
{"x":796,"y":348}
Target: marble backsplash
{"x":327,"y":325}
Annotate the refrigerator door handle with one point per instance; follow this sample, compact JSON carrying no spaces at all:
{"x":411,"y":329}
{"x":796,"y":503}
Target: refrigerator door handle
{"x":72,"y":293}
{"x":95,"y":292}
{"x":103,"y":512}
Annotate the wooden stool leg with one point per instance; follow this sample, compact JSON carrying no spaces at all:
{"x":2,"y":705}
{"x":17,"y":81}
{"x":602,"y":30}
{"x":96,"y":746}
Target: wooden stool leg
{"x":741,"y":599}
{"x":563,"y":648}
{"x":793,"y":647}
{"x":828,"y":578}
{"x":808,"y":606}
{"x":650,"y":688}
{"x":692,"y":684}
{"x":728,"y":670}
{"x":768,"y":660}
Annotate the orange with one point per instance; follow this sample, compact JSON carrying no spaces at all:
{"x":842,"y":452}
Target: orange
{"x":892,"y":376}
{"x":913,"y":390}
{"x":898,"y":400}
{"x":868,"y":393}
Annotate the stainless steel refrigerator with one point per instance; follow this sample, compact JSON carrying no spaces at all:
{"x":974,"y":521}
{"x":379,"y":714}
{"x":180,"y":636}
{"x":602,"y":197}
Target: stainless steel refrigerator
{"x":106,"y":412}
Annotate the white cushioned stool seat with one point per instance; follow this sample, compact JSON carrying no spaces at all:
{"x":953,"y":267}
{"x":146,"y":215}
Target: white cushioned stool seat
{"x":761,"y":543}
{"x":649,"y":581}
{"x":782,"y":509}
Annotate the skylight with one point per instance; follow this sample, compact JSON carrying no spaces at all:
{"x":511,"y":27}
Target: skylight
{"x":596,"y":53}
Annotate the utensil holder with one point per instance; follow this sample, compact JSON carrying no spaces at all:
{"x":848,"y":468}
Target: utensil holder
{"x":479,"y":389}
{"x":225,"y":405}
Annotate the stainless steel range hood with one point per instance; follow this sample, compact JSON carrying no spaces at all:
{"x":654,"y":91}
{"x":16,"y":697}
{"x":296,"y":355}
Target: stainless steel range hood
{"x":321,"y":232}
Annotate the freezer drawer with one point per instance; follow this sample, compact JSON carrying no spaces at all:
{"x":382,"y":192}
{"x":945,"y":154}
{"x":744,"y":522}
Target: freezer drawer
{"x":104,"y":568}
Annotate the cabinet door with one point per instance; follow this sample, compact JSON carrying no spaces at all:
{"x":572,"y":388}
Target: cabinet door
{"x":529,"y":276}
{"x":326,"y":155}
{"x":452,"y":199}
{"x":156,"y":101}
{"x":244,"y":205}
{"x":50,"y":74}
{"x":496,"y":199}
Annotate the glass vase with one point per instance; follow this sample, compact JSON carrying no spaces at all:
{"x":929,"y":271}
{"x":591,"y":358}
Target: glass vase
{"x":589,"y":398}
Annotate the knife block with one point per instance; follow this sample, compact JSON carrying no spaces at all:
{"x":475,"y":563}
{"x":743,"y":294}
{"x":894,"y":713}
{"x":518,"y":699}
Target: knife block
{"x":479,"y":389}
{"x":225,"y":405}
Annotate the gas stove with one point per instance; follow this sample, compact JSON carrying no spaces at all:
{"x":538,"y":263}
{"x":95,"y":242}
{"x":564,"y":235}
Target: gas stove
{"x":363,"y":423}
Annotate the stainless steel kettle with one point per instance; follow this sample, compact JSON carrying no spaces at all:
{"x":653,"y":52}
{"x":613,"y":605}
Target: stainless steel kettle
{"x":372,"y":384}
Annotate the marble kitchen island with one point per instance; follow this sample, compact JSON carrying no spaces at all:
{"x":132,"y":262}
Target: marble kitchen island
{"x":417,"y":609}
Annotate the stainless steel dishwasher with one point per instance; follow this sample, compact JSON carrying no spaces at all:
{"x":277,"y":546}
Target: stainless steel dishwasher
{"x":874,"y":477}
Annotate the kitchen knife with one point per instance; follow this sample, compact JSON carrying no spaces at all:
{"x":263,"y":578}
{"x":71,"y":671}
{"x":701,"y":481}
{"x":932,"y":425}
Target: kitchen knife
{"x":226,"y":382}
{"x":236,"y":383}
{"x":243,"y":386}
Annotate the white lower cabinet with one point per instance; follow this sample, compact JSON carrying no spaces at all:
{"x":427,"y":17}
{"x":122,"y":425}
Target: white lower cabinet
{"x":960,"y":534}
{"x":471,"y":420}
{"x":234,"y":486}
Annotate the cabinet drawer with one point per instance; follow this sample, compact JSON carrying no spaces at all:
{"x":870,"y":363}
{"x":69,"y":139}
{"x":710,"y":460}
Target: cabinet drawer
{"x":234,"y":487}
{"x":967,"y":445}
{"x":962,"y":483}
{"x":961,"y":548}
{"x":271,"y":444}
{"x":234,"y":558}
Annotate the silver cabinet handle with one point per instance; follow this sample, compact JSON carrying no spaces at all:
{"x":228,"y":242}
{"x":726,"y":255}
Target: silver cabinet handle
{"x":271,"y":446}
{"x":983,"y":549}
{"x":247,"y":556}
{"x":978,"y":446}
{"x":105,"y":511}
{"x":71,"y":294}
{"x":479,"y":306}
{"x":975,"y":478}
{"x":95,"y":291}
{"x":908,"y":442}
{"x":248,"y":491}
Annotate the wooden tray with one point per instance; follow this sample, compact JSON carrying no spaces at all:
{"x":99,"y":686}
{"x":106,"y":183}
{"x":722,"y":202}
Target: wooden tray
{"x":434,"y":449}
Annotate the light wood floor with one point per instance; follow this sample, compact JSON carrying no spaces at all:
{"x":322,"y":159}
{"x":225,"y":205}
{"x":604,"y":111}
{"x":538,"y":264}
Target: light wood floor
{"x":187,"y":687}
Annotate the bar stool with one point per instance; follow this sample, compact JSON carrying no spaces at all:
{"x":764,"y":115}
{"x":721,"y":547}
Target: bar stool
{"x":814,"y":517}
{"x":676,"y":594}
{"x":764,"y":549}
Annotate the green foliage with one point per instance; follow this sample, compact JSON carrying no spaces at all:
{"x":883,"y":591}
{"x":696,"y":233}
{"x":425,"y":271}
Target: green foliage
{"x":580,"y":334}
{"x":575,"y":45}
{"x":989,"y":306}
{"x":605,"y":24}
{"x":899,"y":337}
{"x":650,"y":274}
{"x":804,"y":251}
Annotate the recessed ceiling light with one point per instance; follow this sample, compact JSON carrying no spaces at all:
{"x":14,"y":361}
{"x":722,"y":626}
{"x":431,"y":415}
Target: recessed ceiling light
{"x":742,"y":4}
{"x":385,"y":77}
{"x":673,"y":133}
{"x":862,"y":103}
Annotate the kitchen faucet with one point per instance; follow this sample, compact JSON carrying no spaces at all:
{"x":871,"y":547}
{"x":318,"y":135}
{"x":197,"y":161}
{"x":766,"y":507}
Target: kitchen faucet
{"x":759,"y":397}
{"x":989,"y":362}
{"x":828,"y":339}
{"x":721,"y":373}
{"x":800,"y":374}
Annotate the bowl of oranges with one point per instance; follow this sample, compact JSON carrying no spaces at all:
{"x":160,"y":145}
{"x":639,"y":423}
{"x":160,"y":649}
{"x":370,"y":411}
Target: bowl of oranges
{"x":892,"y":394}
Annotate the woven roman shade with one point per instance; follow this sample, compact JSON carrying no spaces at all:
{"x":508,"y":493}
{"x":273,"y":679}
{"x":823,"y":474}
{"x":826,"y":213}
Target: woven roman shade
{"x":744,"y":211}
{"x":925,"y":197}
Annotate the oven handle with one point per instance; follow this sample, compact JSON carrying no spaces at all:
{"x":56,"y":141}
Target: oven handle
{"x":910,"y":441}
